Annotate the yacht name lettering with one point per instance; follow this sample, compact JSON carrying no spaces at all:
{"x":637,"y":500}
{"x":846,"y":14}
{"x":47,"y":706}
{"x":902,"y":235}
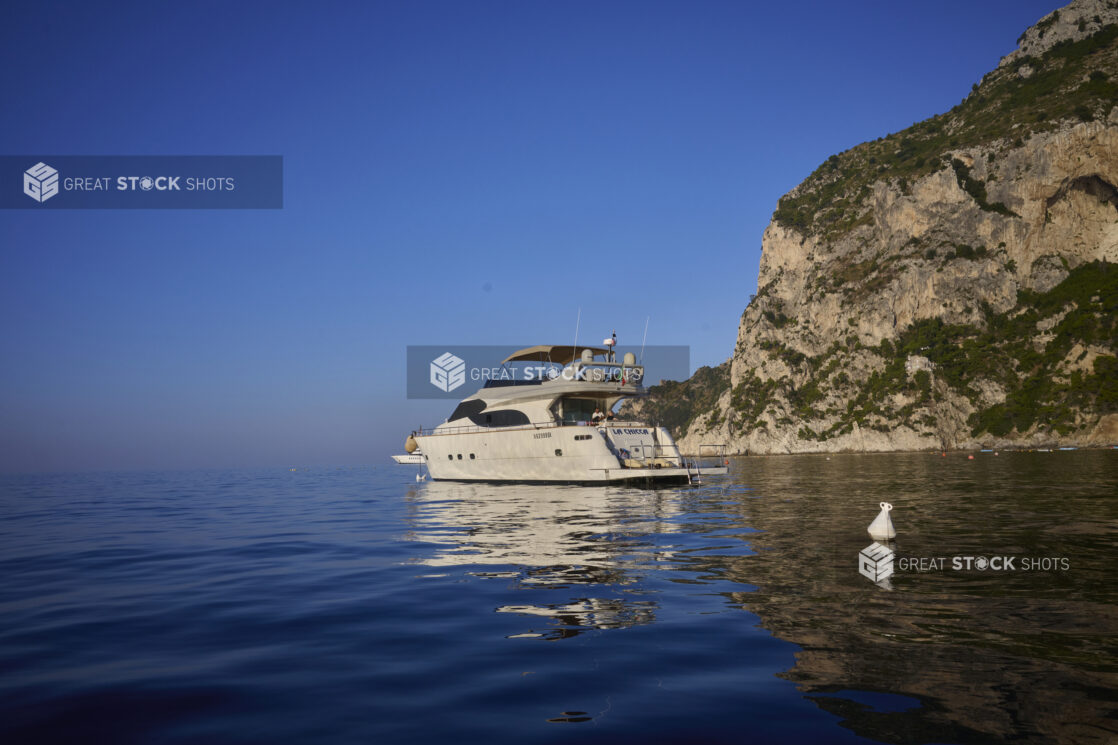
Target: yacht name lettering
{"x":633,"y":431}
{"x":542,"y":435}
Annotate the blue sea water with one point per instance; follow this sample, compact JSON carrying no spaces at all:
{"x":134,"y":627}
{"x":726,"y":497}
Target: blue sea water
{"x":354,"y":605}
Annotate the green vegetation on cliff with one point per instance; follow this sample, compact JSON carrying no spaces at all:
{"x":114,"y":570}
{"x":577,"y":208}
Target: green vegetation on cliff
{"x":1045,"y":385}
{"x":675,"y":404}
{"x":1071,"y":81}
{"x":1037,"y":392}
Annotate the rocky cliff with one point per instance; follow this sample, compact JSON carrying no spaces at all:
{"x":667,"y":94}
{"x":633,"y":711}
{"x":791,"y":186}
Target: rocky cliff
{"x":948,"y":286}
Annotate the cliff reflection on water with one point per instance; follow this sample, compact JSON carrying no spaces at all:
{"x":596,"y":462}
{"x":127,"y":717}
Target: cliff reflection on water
{"x":942,"y":656}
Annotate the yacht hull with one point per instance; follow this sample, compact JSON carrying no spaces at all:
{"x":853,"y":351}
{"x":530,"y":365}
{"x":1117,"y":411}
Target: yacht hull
{"x":558,"y":455}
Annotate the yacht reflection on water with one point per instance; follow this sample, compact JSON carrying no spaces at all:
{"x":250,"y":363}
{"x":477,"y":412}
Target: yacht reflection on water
{"x":552,"y":536}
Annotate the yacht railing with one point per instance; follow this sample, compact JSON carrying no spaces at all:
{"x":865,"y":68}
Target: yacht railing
{"x":717,"y":451}
{"x":471,"y":428}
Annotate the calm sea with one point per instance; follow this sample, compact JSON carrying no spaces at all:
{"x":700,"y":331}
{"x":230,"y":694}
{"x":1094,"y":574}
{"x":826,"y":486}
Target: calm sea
{"x":354,"y":605}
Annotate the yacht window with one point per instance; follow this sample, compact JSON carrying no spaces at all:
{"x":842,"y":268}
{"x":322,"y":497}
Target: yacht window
{"x":470,"y":408}
{"x":500,"y":418}
{"x":579,"y":409}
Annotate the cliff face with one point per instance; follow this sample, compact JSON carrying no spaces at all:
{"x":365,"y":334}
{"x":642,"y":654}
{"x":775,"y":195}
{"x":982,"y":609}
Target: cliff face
{"x":951,"y":285}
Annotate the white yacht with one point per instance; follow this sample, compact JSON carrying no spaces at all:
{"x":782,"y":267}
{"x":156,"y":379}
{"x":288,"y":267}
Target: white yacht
{"x":549,"y":427}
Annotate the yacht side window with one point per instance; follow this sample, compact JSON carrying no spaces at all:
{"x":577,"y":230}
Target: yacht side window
{"x":580,"y":409}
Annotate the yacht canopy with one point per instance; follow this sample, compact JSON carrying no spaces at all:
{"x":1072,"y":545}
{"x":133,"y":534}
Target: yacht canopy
{"x":560,"y":355}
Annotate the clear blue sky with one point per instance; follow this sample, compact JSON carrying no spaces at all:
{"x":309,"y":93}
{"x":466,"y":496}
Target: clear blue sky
{"x":455,"y":172}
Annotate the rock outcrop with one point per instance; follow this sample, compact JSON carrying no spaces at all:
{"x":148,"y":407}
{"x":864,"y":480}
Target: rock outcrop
{"x":949,"y":286}
{"x":1077,"y":20}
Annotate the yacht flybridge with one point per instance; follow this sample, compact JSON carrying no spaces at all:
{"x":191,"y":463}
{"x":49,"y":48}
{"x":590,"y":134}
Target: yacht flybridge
{"x":555,"y":423}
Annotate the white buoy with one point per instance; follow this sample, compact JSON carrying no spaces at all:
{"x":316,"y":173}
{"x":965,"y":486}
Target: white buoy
{"x":881,"y":529}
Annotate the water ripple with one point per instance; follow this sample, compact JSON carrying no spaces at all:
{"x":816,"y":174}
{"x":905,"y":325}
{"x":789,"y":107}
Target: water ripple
{"x":351,"y":605}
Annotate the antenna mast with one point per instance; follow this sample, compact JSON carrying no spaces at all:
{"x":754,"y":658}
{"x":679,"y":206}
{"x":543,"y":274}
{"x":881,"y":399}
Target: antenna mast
{"x":578,"y":319}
